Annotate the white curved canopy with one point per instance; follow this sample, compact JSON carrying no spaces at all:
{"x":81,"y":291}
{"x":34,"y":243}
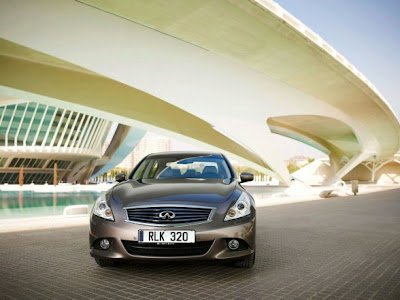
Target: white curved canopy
{"x":218,"y":72}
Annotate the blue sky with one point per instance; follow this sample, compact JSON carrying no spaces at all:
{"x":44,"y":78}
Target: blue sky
{"x":366,"y":32}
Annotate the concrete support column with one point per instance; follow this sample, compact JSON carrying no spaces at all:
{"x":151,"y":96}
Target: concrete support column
{"x":373,"y":171}
{"x":85,"y":174}
{"x":123,"y":142}
{"x":335,"y":162}
{"x":377,"y":166}
{"x":350,"y":165}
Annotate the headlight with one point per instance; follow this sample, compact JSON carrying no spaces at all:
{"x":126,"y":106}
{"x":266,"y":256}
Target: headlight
{"x":240,"y":209}
{"x":102,"y":210}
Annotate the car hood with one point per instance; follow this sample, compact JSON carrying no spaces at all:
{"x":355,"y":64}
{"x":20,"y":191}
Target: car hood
{"x":186,"y":191}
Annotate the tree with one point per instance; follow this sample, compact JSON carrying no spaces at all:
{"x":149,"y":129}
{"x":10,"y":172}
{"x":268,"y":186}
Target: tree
{"x":292,"y":168}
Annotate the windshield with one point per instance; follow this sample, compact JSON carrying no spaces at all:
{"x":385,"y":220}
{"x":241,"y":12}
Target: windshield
{"x":206,"y":167}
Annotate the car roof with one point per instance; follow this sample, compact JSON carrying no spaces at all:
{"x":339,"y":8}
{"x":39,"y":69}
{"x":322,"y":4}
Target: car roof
{"x":185,"y":153}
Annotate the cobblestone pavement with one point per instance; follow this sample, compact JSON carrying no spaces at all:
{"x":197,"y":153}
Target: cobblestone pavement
{"x":338,"y":248}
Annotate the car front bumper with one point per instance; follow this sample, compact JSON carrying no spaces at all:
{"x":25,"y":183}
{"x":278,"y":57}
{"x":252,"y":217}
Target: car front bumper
{"x":125,"y":234}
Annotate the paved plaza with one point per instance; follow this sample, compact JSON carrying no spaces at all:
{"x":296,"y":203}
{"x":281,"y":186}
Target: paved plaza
{"x":338,"y":248}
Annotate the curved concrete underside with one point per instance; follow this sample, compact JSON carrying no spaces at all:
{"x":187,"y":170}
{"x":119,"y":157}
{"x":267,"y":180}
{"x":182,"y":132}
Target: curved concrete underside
{"x":323,"y":133}
{"x":32,"y":75}
{"x":211,"y":71}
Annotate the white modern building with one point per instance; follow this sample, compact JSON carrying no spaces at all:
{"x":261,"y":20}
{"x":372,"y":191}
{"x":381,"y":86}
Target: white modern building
{"x":222,"y":74}
{"x":37,"y":136}
{"x":42,"y":139}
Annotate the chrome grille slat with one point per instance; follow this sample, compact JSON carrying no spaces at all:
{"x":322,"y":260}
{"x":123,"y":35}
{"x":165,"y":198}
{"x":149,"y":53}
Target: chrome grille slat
{"x":183,"y":215}
{"x":170,"y":221}
{"x":176,"y":218}
{"x":156,"y":213}
{"x":166,"y":208}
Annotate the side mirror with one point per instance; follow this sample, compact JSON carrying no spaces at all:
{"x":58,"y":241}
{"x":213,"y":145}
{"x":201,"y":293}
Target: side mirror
{"x":245,"y":177}
{"x":120,"y":177}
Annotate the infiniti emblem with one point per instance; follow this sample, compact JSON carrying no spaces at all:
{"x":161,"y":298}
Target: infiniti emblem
{"x":167,"y":215}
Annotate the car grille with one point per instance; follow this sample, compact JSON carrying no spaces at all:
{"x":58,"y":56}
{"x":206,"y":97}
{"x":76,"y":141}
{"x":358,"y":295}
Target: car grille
{"x":151,"y":215}
{"x":198,"y":248}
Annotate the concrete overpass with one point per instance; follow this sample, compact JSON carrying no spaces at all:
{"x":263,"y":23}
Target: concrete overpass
{"x":224,"y":74}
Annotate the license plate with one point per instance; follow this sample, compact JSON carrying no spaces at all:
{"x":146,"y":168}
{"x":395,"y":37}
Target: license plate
{"x":167,"y":236}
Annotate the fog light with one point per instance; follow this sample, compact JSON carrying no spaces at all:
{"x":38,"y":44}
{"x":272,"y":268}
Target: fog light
{"x":104,"y":244}
{"x":233,"y":244}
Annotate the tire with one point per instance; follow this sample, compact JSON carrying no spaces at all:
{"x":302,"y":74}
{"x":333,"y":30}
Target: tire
{"x":246,"y":263}
{"x":105,"y":262}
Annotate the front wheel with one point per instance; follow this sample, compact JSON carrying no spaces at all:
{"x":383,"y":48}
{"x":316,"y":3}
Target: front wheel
{"x":246,"y":263}
{"x":105,"y":262}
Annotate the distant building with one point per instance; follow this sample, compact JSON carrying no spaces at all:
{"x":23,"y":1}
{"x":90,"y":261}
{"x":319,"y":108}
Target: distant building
{"x":149,"y":144}
{"x":127,"y":163}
